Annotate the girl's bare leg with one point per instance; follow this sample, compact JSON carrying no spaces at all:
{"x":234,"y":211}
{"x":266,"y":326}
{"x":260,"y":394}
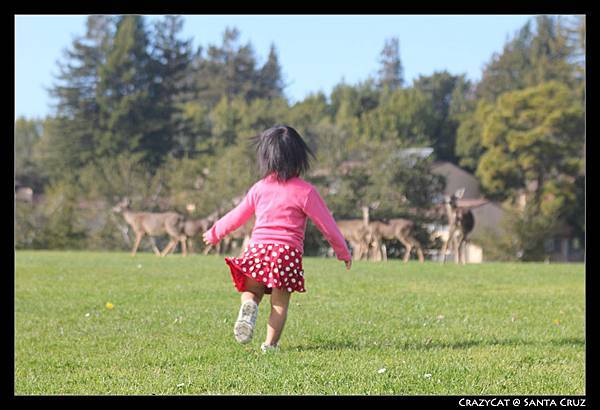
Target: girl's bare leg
{"x":243,"y":328}
{"x":280,"y":300}
{"x":254,"y":291}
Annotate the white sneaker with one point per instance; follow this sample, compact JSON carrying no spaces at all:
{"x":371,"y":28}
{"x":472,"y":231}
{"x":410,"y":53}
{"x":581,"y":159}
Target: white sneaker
{"x":244,"y":325}
{"x":269,"y":348}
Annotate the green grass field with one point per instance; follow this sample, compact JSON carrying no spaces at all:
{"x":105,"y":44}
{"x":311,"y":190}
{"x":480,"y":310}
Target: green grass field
{"x":453,"y":330}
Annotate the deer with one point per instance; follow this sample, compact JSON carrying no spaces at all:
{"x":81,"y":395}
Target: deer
{"x":153,"y":224}
{"x":460,"y":224}
{"x":195,"y":227}
{"x":358,"y":234}
{"x":400,"y":229}
{"x":396,"y":228}
{"x":244,"y":232}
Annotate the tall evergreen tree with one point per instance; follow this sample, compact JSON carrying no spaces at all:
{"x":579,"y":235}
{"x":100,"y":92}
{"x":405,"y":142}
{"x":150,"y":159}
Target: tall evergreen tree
{"x":269,"y":77}
{"x":227,"y":70}
{"x":132,"y":120}
{"x":447,"y":95}
{"x":172,"y":58}
{"x":391,"y":73}
{"x":70,"y":140}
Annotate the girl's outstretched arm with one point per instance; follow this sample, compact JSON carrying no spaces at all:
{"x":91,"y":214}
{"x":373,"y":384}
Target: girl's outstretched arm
{"x":316,"y":209}
{"x":232,"y":220}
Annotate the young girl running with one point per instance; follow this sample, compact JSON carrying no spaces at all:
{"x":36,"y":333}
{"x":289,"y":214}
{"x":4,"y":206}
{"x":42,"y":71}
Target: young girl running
{"x":272,"y":262}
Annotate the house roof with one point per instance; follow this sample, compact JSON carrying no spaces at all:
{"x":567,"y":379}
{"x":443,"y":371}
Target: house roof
{"x":420,"y":152}
{"x":457,"y":178}
{"x":439,"y":165}
{"x":472,"y":203}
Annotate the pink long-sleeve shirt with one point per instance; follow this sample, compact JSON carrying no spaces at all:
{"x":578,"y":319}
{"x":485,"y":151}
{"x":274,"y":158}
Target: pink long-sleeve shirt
{"x":281,"y":209}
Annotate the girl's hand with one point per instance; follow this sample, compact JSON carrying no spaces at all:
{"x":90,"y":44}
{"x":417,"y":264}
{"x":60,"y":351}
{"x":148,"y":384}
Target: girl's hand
{"x":205,"y":239}
{"x":348,"y":264}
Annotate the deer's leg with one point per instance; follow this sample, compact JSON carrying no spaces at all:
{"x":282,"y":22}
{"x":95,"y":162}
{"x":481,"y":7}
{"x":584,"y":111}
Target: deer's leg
{"x":443,"y":252}
{"x":378,"y":254}
{"x":407,"y":252}
{"x":415,"y":244}
{"x":462,"y":245}
{"x":154,"y":247}
{"x":420,"y":252}
{"x":168,"y":248}
{"x":190,"y":243}
{"x":383,"y":251}
{"x":356,"y":250}
{"x":445,"y":246}
{"x":173,"y":248}
{"x":138,"y":239}
{"x":456,"y":246}
{"x":407,"y":248}
{"x":364,"y":251}
{"x":380,"y":249}
{"x":372,"y":249}
{"x":183,"y":240}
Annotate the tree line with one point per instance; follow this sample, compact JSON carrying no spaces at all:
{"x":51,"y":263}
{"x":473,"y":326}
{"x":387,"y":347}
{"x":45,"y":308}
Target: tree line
{"x":138,"y":112}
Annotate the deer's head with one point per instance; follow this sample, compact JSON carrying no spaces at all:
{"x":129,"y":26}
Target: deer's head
{"x":212,"y":218}
{"x":122,"y":205}
{"x":452,"y":200}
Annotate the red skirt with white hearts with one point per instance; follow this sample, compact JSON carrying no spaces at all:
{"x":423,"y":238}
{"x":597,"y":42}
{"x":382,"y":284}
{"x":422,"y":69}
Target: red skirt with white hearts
{"x":273,"y":265}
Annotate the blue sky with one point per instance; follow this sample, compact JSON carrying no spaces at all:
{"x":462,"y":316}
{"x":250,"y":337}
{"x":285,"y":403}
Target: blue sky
{"x":315,"y":51}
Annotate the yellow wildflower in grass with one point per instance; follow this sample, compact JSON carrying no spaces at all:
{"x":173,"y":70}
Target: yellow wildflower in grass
{"x":109,"y":305}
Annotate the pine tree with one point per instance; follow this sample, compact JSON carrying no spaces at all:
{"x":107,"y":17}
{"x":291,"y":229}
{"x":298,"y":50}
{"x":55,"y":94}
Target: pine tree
{"x":132,"y":118}
{"x":172,"y":58}
{"x":228,"y":70}
{"x":70,"y":138}
{"x":391,"y":73}
{"x":269,"y":77}
{"x":447,"y":95}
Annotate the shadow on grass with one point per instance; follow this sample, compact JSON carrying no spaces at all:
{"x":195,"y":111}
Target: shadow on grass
{"x":432,"y":344}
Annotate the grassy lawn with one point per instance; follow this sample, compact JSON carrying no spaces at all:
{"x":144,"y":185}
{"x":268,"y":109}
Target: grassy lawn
{"x":476,"y":329}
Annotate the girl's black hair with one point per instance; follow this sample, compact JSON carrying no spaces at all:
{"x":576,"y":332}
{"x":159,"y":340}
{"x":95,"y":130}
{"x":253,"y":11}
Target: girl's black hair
{"x":281,"y":150}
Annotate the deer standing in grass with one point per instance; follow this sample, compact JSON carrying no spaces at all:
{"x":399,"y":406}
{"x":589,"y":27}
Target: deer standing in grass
{"x":153,"y":224}
{"x":244,"y":232}
{"x":358,"y":234}
{"x":196,"y":227}
{"x":394,"y":229}
{"x":397,"y":229}
{"x":460,"y":224}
